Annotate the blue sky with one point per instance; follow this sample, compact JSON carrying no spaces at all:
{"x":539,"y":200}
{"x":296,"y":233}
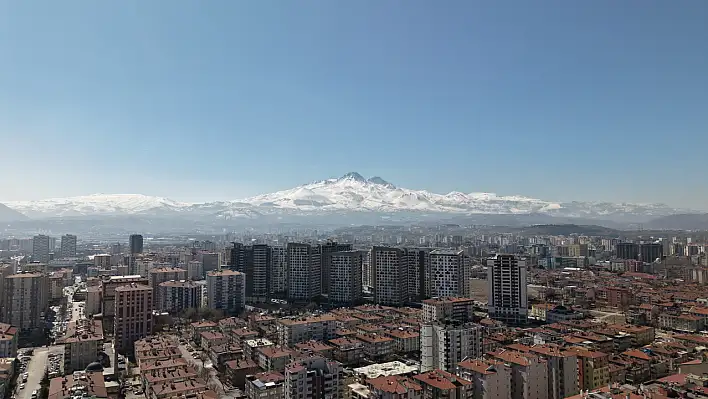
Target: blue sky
{"x":561,"y":100}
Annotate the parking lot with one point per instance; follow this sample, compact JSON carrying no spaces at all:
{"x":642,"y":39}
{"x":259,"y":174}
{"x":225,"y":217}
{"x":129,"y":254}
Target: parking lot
{"x":34,"y":362}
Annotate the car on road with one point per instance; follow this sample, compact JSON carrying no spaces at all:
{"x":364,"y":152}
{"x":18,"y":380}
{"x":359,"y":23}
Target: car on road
{"x":22,"y":386}
{"x":34,"y":394}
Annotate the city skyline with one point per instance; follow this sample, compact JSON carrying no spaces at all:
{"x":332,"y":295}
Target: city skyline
{"x":595,"y":101}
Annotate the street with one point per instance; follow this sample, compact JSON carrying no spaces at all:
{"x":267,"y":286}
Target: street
{"x":36,"y":369}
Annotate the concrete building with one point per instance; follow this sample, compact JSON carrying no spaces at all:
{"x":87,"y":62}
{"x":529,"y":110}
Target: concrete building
{"x":68,"y":246}
{"x":345,"y":283}
{"x":26,"y":299}
{"x":302,"y":329}
{"x":593,"y":368}
{"x":314,"y":377}
{"x":226,"y":290}
{"x":108,"y":293}
{"x":489,"y":378}
{"x":324,"y":250}
{"x":627,"y":250}
{"x":40,"y":248}
{"x":440,"y":384}
{"x":393,"y":387}
{"x":133,"y":315}
{"x":529,"y":374}
{"x":210,"y":261}
{"x":417,"y":261}
{"x":93,"y":300}
{"x":159,"y":275}
{"x":269,"y":385}
{"x":651,"y":251}
{"x":562,"y":371}
{"x":82,"y":342}
{"x":136,"y":244}
{"x":279,"y":271}
{"x":177,"y":296}
{"x":258,"y":274}
{"x":444,"y":345}
{"x":304,"y":273}
{"x":389,"y":276}
{"x":449,"y":273}
{"x":102,"y":261}
{"x":8,"y":341}
{"x":508,"y":299}
{"x":450,"y":308}
{"x":195,"y":270}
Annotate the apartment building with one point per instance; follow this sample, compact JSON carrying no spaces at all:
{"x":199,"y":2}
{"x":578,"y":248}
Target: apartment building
{"x":490,"y":379}
{"x":304,"y":272}
{"x":345,"y":282}
{"x":314,"y":377}
{"x":293,"y":331}
{"x":177,"y":296}
{"x":269,"y":385}
{"x":195,"y":270}
{"x":82,"y":342}
{"x":440,"y":384}
{"x":324,"y":250}
{"x":508,"y":299}
{"x":394,"y":387}
{"x":8,"y":341}
{"x":529,"y":374}
{"x":444,"y":345}
{"x":389,"y":275}
{"x":448,"y":308}
{"x":593,"y":368}
{"x":26,"y":299}
{"x":226,"y":290}
{"x":278,"y":271}
{"x":159,"y":275}
{"x":449,"y":273}
{"x":68,"y":246}
{"x":41,"y":248}
{"x":133,"y":315}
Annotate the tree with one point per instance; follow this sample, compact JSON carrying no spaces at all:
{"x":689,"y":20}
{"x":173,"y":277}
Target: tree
{"x":44,"y":386}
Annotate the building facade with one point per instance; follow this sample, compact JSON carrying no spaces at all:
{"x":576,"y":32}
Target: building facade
{"x":345,"y":282}
{"x":508,"y":299}
{"x":133,"y":315}
{"x":226,"y":291}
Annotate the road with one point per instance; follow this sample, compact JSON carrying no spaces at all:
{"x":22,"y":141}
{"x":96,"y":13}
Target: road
{"x":36,"y":369}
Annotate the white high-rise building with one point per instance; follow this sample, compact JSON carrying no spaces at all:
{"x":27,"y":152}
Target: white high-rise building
{"x":444,"y":345}
{"x":68,"y":246}
{"x":226,"y":290}
{"x":449,"y":273}
{"x":389,"y":275}
{"x":40,"y":248}
{"x":345,"y":283}
{"x":304,"y":273}
{"x":508,"y":299}
{"x":26,"y":298}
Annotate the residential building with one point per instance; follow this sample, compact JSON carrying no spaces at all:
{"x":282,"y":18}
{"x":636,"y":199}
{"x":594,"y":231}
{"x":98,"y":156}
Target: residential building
{"x":345,"y":283}
{"x":133,"y":315}
{"x":159,"y":275}
{"x":449,"y":273}
{"x":627,"y":250}
{"x":195,"y":270}
{"x":26,"y":299}
{"x":314,"y":377}
{"x":506,"y":278}
{"x":593,"y":368}
{"x":226,"y":290}
{"x":440,"y":384}
{"x":278,"y":271}
{"x":40,"y":248}
{"x":8,"y":341}
{"x":318,"y":328}
{"x":68,"y":246}
{"x":324,"y":250}
{"x":394,"y":387}
{"x":490,"y":379}
{"x":177,"y":296}
{"x":417,"y":261}
{"x":444,"y":345}
{"x":136,"y":244}
{"x":529,"y":374}
{"x":448,"y":308}
{"x":651,"y":251}
{"x":269,"y":385}
{"x":257,"y":269}
{"x":82,"y":342}
{"x":79,"y":384}
{"x":304,"y":272}
{"x":562,"y":370}
{"x":389,"y":275}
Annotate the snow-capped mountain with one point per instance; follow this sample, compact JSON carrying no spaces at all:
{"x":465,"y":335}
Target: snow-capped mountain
{"x":348,"y":193}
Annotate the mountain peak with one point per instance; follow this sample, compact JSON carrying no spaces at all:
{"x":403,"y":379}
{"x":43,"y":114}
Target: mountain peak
{"x":353,"y":176}
{"x":380,"y":181}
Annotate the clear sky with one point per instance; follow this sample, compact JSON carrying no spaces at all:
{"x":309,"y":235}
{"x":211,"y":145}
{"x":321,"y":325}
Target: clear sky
{"x":203,"y":100}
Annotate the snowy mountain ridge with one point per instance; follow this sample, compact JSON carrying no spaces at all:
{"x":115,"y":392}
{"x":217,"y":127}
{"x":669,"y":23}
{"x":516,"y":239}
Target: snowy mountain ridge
{"x":348,"y":193}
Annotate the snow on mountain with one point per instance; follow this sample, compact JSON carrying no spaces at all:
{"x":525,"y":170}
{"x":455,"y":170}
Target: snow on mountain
{"x":96,"y":204}
{"x":348,"y":193}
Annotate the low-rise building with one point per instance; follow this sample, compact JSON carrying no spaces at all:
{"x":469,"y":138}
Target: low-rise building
{"x":441,"y":384}
{"x":269,"y":385}
{"x":8,"y":341}
{"x":318,"y":328}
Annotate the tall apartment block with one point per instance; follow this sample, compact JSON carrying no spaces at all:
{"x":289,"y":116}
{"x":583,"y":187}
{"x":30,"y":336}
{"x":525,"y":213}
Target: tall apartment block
{"x":257,"y":271}
{"x":389,"y":275}
{"x":444,"y":345}
{"x":324,"y":250}
{"x":68,"y":246}
{"x":508,"y":300}
{"x":448,"y":309}
{"x":26,"y":298}
{"x":133,"y":315}
{"x":449,"y":273}
{"x":345,"y":283}
{"x":136,"y":244}
{"x":210,"y":260}
{"x":195,"y":270}
{"x":40,"y":248}
{"x":278,"y":271}
{"x":304,"y":272}
{"x":418,"y":265}
{"x":226,"y":290}
{"x":159,"y":275}
{"x":108,"y":296}
{"x":314,"y":377}
{"x":651,"y":251}
{"x":177,"y":296}
{"x":627,"y":250}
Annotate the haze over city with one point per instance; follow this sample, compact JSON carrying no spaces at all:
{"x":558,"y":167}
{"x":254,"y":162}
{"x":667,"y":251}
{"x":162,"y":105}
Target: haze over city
{"x":220,"y":101}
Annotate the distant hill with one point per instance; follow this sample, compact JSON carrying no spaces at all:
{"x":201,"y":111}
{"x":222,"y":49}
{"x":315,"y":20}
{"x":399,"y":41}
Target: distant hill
{"x":688,"y":221}
{"x":567,"y":229}
{"x":9,"y":215}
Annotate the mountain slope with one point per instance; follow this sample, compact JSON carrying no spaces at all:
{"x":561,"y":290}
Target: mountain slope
{"x":351,"y":193}
{"x":9,"y":215}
